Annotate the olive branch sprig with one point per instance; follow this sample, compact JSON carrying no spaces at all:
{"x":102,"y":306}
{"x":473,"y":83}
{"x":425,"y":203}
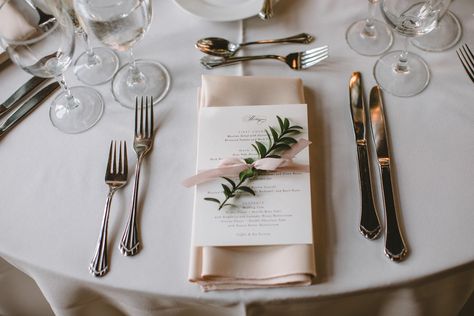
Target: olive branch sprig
{"x":278,"y":142}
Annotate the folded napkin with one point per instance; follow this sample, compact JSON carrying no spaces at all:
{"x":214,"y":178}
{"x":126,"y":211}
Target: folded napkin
{"x":238,"y":267}
{"x":13,"y":24}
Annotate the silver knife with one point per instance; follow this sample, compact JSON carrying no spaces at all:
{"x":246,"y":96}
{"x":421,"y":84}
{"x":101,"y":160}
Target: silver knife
{"x":395,"y":247}
{"x":19,"y":94}
{"x":369,"y":221}
{"x":27,"y":108}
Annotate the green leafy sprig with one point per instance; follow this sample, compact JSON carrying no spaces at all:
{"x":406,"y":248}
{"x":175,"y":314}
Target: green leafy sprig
{"x":278,"y":142}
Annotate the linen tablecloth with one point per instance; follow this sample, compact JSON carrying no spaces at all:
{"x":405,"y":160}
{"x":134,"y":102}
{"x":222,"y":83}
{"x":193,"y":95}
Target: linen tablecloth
{"x":52,"y":190}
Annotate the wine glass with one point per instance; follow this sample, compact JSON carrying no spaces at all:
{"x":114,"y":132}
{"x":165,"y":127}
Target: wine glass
{"x":445,"y":35}
{"x":40,"y":39}
{"x":119,"y":25}
{"x":96,"y":65}
{"x":403,"y":73}
{"x":369,"y":37}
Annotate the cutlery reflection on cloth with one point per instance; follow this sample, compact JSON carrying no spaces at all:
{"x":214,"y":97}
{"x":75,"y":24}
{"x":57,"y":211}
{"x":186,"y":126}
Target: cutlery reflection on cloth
{"x":239,"y":267}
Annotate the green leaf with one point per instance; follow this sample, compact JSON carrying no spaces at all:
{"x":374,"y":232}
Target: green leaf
{"x":261,"y":149}
{"x":256,"y":149}
{"x":296,"y":127}
{"x":286,"y":123}
{"x":232,"y":183}
{"x":227,"y":191}
{"x":288,"y":140}
{"x":212,"y":200}
{"x":280,"y":122}
{"x":269,"y":139}
{"x":246,"y":189}
{"x":273,"y":156}
{"x":248,"y":173}
{"x":274,"y":134}
{"x":281,"y":147}
{"x":249,"y":160}
{"x":292,"y":131}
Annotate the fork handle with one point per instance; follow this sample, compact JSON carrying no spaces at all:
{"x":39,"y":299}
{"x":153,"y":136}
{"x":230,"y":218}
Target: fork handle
{"x":212,"y":61}
{"x":130,"y":244}
{"x":302,"y":38}
{"x":100,"y":264}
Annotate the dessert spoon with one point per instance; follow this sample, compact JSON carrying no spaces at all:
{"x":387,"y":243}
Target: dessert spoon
{"x":221,"y":47}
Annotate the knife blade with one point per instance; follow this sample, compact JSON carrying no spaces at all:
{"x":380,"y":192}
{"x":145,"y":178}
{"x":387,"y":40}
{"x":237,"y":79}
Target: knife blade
{"x":27,"y":108}
{"x":369,"y":221}
{"x":395,"y":246}
{"x":19,"y":94}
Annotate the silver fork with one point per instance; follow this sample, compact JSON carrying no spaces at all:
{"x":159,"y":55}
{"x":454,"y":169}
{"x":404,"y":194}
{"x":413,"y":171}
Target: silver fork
{"x":115,"y":177}
{"x":142,"y":143}
{"x":297,"y":61}
{"x":467,"y":60}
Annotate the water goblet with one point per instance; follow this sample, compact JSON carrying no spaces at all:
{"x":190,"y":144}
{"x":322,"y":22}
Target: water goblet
{"x":120,"y":25}
{"x":403,"y":73}
{"x":369,"y":37}
{"x":40,"y":39}
{"x":96,"y":65}
{"x":445,"y":35}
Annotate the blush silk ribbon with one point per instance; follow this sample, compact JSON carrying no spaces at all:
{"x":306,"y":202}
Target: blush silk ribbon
{"x":233,"y":166}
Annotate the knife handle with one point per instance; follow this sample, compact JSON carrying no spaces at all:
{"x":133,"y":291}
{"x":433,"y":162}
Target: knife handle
{"x":395,"y":247}
{"x":369,"y":220}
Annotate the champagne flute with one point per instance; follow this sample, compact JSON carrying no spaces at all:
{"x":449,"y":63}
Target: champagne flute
{"x":369,"y":37}
{"x":445,"y":35}
{"x":40,"y":39}
{"x":119,"y":25}
{"x":403,"y":73}
{"x":96,"y":65}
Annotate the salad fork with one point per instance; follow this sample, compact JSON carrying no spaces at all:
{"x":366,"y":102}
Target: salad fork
{"x":115,"y":178}
{"x":296,"y":61}
{"x":142,"y":144}
{"x":467,"y":60}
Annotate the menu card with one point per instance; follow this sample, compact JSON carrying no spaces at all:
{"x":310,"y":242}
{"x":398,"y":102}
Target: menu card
{"x":280,"y":212}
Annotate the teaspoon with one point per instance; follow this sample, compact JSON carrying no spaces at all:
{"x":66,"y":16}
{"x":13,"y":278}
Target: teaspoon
{"x":266,"y":12}
{"x":221,"y":47}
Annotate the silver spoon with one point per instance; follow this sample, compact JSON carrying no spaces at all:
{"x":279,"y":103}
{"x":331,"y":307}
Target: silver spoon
{"x":266,"y":12}
{"x":221,"y":47}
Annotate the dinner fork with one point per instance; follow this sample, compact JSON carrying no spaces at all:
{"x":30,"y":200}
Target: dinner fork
{"x":296,"y":61}
{"x":115,"y":178}
{"x":467,"y":60}
{"x":142,"y":144}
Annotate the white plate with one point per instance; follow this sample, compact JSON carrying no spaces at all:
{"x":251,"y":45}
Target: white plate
{"x":221,"y":10}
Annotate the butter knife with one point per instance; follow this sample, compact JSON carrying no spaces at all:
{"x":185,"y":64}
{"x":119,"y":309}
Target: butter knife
{"x":369,"y":221}
{"x":395,"y":247}
{"x":19,"y":94}
{"x":27,"y":108}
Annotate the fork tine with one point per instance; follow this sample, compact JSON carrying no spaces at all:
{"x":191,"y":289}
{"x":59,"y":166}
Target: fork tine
{"x":147,"y":131}
{"x":120,"y":162}
{"x":136,"y":116}
{"x":152,"y":117}
{"x":317,"y":49}
{"x":114,"y":159}
{"x":109,"y":160}
{"x":141,"y":117}
{"x":125,"y":159}
{"x":308,"y":57}
{"x":466,"y":62}
{"x":313,"y":62}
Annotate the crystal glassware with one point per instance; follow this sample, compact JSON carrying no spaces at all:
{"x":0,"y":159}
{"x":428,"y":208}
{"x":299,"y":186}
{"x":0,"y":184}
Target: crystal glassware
{"x":120,"y":25}
{"x":403,"y":73}
{"x":40,"y":39}
{"x":96,"y":65}
{"x":445,"y":35}
{"x":369,"y":37}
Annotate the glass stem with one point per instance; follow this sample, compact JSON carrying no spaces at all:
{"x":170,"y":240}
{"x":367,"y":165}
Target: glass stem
{"x":92,"y":58}
{"x":402,"y":64}
{"x":71,"y":101}
{"x":135,"y":76}
{"x":369,"y":29}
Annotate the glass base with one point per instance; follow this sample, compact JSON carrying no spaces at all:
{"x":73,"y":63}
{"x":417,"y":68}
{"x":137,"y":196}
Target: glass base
{"x":402,"y":83}
{"x":444,"y":36}
{"x":155,"y":82}
{"x":86,"y":114}
{"x":99,"y":73}
{"x":369,"y":45}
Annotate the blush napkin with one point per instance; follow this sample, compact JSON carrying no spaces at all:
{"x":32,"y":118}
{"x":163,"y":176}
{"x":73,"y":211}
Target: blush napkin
{"x":240,"y":267}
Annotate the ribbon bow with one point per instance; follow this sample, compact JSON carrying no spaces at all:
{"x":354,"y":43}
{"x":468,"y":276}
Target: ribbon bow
{"x":233,"y":166}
